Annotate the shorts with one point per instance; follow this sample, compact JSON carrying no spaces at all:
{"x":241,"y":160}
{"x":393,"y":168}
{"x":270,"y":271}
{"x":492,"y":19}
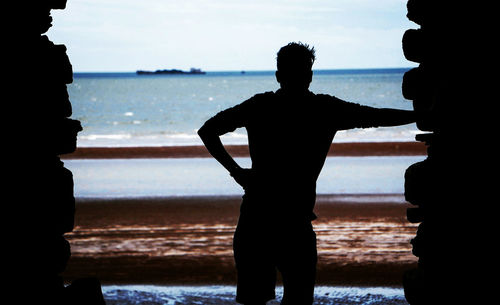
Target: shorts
{"x":261,"y":248}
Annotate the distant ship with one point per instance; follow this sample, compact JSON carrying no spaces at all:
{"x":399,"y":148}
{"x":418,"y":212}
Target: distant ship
{"x":172,"y":71}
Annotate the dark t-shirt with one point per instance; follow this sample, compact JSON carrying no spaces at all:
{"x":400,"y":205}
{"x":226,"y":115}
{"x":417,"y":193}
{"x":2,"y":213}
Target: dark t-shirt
{"x":289,"y":138}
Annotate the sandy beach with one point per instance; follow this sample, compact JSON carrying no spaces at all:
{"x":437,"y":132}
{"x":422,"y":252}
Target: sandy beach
{"x":362,"y":240}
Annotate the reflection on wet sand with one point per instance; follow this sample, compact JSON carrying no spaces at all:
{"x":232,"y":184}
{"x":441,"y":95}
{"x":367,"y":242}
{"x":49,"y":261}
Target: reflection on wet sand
{"x":362,"y":239}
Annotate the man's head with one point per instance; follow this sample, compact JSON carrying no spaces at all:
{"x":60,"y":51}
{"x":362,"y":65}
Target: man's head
{"x":294,"y":62}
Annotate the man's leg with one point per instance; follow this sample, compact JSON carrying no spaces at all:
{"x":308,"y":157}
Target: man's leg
{"x":255,"y":268}
{"x":298,"y":288}
{"x":298,"y":267}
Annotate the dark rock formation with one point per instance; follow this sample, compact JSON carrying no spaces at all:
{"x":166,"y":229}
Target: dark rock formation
{"x":442,"y":188}
{"x":40,"y":205}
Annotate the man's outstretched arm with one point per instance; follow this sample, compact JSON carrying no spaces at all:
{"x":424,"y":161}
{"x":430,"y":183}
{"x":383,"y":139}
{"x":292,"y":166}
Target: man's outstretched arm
{"x":391,"y":117}
{"x":361,"y":116}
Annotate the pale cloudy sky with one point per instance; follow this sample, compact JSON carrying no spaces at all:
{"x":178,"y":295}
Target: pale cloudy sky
{"x":225,"y":35}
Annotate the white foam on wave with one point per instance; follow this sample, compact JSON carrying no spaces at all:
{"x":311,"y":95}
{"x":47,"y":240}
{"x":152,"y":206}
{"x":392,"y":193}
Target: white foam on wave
{"x":235,"y":138}
{"x":177,"y":139}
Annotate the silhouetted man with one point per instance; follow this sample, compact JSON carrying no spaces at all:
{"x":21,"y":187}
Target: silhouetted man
{"x":289,"y":134}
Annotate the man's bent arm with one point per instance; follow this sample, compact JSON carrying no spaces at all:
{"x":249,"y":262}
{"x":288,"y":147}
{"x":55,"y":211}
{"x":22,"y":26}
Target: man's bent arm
{"x":215,"y":147}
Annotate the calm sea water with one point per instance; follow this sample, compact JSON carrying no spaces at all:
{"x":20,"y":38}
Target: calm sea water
{"x":125,"y":109}
{"x":204,"y":176}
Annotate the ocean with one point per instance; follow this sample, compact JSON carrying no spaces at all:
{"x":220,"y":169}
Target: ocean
{"x":126,"y":109}
{"x":118,"y":178}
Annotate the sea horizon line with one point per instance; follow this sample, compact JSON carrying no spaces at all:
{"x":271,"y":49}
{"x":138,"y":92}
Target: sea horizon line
{"x":258,"y":72}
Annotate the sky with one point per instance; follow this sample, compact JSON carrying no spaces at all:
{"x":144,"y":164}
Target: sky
{"x":228,"y":35}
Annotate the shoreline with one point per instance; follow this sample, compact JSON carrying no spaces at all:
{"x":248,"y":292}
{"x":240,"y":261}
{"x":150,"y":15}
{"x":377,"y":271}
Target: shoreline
{"x":353,"y":149}
{"x":225,"y":294}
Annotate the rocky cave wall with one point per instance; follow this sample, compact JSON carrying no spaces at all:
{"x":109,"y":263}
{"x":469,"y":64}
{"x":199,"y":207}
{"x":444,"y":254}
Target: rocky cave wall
{"x":41,"y":208}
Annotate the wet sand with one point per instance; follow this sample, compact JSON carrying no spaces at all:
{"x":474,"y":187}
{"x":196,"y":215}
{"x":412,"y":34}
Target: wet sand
{"x":337,"y":149}
{"x":362,"y":240}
